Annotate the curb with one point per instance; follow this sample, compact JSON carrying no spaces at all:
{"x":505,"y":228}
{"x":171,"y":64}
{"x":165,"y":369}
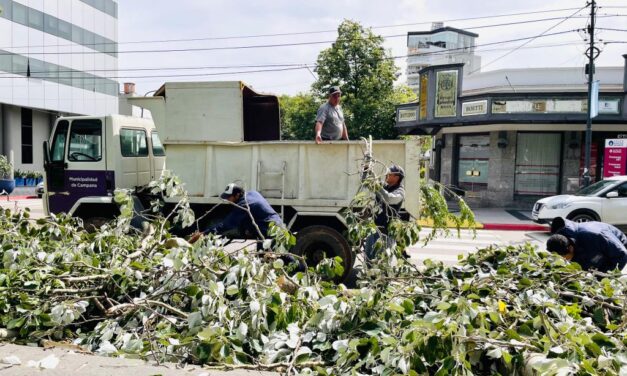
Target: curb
{"x":515,"y":227}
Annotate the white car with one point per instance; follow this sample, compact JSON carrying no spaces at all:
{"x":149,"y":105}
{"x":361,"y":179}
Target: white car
{"x":604,"y":201}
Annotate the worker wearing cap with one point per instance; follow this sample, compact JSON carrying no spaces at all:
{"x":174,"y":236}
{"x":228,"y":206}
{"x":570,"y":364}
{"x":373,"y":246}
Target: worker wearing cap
{"x":246,"y":201}
{"x":593,"y":245}
{"x":330,"y":123}
{"x":389,"y":199}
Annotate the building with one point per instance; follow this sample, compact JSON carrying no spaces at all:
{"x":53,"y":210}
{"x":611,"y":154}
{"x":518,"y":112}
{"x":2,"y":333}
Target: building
{"x":509,"y":137}
{"x":56,"y":58}
{"x":442,"y":45}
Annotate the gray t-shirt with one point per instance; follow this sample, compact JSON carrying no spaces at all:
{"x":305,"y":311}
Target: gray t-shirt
{"x":332,"y":119}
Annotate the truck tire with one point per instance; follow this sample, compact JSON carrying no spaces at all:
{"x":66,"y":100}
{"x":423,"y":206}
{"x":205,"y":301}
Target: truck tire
{"x":316,"y":242}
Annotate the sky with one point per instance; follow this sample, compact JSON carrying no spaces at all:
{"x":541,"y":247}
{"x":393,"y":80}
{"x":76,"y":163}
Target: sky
{"x":152,"y":34}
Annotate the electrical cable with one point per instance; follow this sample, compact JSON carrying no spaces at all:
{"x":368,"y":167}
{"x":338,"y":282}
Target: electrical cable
{"x":529,"y":41}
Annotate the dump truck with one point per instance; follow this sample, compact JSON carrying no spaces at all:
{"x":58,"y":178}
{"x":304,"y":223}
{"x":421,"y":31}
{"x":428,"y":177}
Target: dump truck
{"x":211,"y":134}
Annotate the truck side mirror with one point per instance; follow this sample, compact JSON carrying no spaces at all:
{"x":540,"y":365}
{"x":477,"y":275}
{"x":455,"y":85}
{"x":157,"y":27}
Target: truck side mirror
{"x":46,"y":153}
{"x":612,"y":194}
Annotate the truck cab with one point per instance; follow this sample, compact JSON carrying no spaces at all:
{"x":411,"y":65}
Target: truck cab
{"x":87,"y":158}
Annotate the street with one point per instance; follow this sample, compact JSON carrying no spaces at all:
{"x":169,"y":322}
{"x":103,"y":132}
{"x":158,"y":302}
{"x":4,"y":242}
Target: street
{"x":445,"y":249}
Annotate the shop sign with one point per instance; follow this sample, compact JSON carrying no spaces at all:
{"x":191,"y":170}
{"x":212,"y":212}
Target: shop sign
{"x":424,"y":90}
{"x":549,"y":106}
{"x":406,"y":115}
{"x":475,"y":108}
{"x":446,"y":94}
{"x":609,"y":106}
{"x":615,"y":159}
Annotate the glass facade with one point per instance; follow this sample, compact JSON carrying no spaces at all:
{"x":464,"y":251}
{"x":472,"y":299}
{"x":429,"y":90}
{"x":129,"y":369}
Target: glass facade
{"x":29,"y":67}
{"x":109,"y":7}
{"x":538,"y":164}
{"x":38,"y":20}
{"x":474,"y":162}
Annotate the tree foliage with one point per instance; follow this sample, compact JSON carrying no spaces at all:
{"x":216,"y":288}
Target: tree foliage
{"x":298,"y":116}
{"x":149,"y":294}
{"x":358,"y":62}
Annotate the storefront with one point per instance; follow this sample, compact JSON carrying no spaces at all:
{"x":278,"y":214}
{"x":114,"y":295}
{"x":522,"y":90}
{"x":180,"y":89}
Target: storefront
{"x":507,"y":145}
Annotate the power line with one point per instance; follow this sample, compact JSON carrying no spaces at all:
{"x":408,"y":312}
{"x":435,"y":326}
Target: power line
{"x":529,"y":40}
{"x":610,"y":29}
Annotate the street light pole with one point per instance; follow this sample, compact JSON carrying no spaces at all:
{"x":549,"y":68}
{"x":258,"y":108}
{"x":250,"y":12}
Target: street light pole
{"x":591,"y":53}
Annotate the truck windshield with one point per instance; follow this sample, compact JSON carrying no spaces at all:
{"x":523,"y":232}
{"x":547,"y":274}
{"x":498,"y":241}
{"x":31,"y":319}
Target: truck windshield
{"x":595,"y":188}
{"x":85,"y":141}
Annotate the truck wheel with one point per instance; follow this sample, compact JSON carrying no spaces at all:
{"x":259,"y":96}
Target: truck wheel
{"x":317,"y":242}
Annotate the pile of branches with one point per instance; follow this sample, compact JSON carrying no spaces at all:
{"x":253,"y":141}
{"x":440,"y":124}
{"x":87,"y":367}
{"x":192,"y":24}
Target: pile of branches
{"x":152,"y":295}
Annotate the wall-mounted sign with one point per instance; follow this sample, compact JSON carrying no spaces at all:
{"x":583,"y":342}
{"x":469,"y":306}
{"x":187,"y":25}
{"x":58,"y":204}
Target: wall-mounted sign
{"x":548,"y":106}
{"x":474,"y":108}
{"x":407,"y":115}
{"x":446,"y":94}
{"x":615,"y":159}
{"x":424,"y":93}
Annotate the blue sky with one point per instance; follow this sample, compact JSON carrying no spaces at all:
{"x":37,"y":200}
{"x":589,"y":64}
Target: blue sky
{"x":158,"y":21}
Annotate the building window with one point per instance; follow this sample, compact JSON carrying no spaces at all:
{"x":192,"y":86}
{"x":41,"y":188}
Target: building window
{"x":537,"y":164}
{"x":474,"y":159}
{"x":27,"y":136}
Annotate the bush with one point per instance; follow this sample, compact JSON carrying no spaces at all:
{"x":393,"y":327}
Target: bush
{"x":5,"y":167}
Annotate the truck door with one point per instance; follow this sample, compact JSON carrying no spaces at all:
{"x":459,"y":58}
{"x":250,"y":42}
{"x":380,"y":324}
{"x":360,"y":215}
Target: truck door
{"x":158,"y":156}
{"x":77,"y":168}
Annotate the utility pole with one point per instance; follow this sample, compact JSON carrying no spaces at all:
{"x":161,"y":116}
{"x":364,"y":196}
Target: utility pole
{"x":591,"y":53}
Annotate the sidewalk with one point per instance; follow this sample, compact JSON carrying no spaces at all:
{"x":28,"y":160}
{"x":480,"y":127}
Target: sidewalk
{"x":59,"y":362}
{"x":507,"y":219}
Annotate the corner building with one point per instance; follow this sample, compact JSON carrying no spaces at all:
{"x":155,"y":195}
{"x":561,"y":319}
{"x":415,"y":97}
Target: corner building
{"x":506,"y":138}
{"x":57,"y":57}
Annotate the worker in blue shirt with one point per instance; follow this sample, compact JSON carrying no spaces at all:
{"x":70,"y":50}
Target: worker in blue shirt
{"x":593,"y":245}
{"x":245,"y":202}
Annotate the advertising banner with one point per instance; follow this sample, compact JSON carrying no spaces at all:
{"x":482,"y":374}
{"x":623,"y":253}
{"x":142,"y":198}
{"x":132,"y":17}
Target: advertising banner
{"x":446,"y":94}
{"x":615,"y":159}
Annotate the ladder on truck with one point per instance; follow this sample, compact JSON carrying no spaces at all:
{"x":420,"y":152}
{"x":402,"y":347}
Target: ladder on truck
{"x":277,"y":191}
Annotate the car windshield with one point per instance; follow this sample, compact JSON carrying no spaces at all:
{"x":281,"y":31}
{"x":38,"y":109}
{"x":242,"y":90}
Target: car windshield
{"x":596,"y":188}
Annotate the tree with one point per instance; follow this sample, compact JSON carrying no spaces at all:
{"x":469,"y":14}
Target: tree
{"x":359,"y":63}
{"x":298,"y":115}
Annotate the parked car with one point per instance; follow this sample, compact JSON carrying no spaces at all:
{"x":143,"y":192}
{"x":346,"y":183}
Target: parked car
{"x":40,"y":189}
{"x":604,"y":201}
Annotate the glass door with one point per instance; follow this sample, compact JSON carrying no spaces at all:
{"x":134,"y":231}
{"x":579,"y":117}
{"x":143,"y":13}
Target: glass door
{"x":473,"y":165}
{"x":538,"y":164}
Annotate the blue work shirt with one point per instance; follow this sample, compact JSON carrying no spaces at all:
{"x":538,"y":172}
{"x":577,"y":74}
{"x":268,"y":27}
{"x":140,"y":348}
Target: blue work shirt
{"x":598,"y":245}
{"x":260,"y":209}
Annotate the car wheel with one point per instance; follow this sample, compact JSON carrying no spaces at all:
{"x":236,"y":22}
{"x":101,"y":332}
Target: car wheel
{"x":582,"y":217}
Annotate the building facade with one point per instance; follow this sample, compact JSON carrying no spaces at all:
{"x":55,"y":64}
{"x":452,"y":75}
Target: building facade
{"x":442,"y":45}
{"x":509,"y":137}
{"x":57,"y":57}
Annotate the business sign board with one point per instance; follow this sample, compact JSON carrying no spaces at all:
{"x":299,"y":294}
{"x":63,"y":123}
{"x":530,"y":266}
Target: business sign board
{"x":424,"y":94}
{"x":474,"y":108}
{"x":446,"y":94}
{"x":615,"y":159}
{"x":407,"y":115}
{"x":549,"y":106}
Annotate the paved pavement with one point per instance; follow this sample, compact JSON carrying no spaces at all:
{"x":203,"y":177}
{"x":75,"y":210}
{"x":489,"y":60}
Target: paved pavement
{"x":61,"y":362}
{"x":447,"y":249}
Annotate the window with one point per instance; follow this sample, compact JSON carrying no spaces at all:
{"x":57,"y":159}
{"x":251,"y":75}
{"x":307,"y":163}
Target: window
{"x":5,"y":5}
{"x":20,"y":65}
{"x":133,"y":143}
{"x":35,"y":19}
{"x":37,"y":68}
{"x":58,"y":142}
{"x":77,"y":34}
{"x":157,"y":146}
{"x":51,"y":24}
{"x":474,"y":159}
{"x":27,"y":136}
{"x":537,"y":170}
{"x":85,"y":141}
{"x":65,"y":30}
{"x":6,"y":62}
{"x":20,"y":14}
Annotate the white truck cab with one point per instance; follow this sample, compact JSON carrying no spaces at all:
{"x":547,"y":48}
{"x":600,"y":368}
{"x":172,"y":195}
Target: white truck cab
{"x":86,"y":158}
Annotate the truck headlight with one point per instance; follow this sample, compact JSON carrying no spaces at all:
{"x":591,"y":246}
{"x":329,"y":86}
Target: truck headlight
{"x":561,"y":205}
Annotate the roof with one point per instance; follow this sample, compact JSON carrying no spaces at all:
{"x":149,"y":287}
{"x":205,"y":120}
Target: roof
{"x":525,"y":80}
{"x":442,"y":29}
